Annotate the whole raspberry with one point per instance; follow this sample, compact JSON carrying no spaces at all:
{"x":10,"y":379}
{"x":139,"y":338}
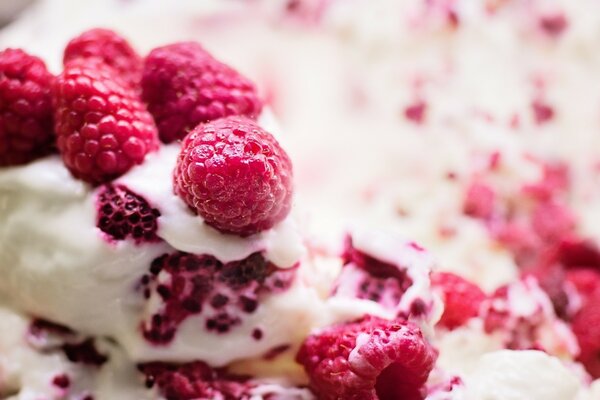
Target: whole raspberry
{"x":462,"y":298}
{"x":25,"y":108}
{"x":123,"y":214}
{"x":109,"y":47}
{"x":586,"y":327}
{"x":184,"y":86}
{"x":235,"y":175}
{"x":102,"y":128}
{"x":368,"y":359}
{"x":195,"y":380}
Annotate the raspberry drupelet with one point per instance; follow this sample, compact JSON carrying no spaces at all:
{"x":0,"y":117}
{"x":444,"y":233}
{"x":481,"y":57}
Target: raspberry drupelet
{"x":370,"y":359}
{"x":102,"y":127}
{"x":110,"y":48}
{"x":25,"y":108}
{"x":184,"y":85}
{"x":235,"y":175}
{"x":462,"y":299}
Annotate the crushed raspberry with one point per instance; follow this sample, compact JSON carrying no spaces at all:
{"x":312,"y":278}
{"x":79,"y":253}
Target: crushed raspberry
{"x":195,"y":380}
{"x":372,"y":279}
{"x":479,"y":201}
{"x":542,"y":112}
{"x":586,"y":327}
{"x":552,"y":221}
{"x":202,"y":285}
{"x":61,"y":381}
{"x":575,"y":252}
{"x":25,"y":108}
{"x":368,"y":359}
{"x":102,"y":128}
{"x":462,"y":299}
{"x":235,"y":175}
{"x":84,"y":352}
{"x":123,"y":214}
{"x":554,"y":24}
{"x":183,"y":86}
{"x":555,"y":180}
{"x":586,"y":281}
{"x":416,"y":112}
{"x":109,"y":47}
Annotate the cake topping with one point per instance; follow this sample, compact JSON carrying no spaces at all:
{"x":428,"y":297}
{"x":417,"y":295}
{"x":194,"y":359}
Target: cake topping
{"x":462,"y":298}
{"x":368,"y":359}
{"x":123,"y":214}
{"x":184,"y":86}
{"x":102,"y":127}
{"x":25,"y":108}
{"x":235,"y":175}
{"x":110,"y":48}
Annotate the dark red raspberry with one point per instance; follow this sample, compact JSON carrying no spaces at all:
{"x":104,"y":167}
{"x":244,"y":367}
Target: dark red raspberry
{"x":586,"y":327}
{"x":25,"y":108}
{"x":195,"y":380}
{"x":462,"y":298}
{"x":369,"y":359}
{"x":102,"y":128}
{"x":109,"y":47}
{"x":184,"y":86}
{"x":202,"y":285}
{"x":234,"y":175}
{"x":84,"y":352}
{"x":122,"y":214}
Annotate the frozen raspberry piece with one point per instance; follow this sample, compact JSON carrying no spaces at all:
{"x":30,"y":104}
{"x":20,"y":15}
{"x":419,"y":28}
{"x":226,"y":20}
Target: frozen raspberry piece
{"x":123,"y":214}
{"x":102,"y":128}
{"x":202,"y":285}
{"x":462,"y":299}
{"x":368,"y":359}
{"x":586,"y":327}
{"x":109,"y":47}
{"x":479,"y":201}
{"x":184,"y":86}
{"x":235,"y":175}
{"x":25,"y":108}
{"x":195,"y":380}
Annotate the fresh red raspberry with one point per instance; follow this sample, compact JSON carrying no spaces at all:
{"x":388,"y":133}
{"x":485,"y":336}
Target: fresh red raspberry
{"x":586,"y":281}
{"x":586,"y":327}
{"x":368,"y":359}
{"x":25,"y":108}
{"x":102,"y":128}
{"x":195,"y":380}
{"x":122,"y":214}
{"x":234,"y":175}
{"x":184,"y":86}
{"x":109,"y":47}
{"x":462,"y":298}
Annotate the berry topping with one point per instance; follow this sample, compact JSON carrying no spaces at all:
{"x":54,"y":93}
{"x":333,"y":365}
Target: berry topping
{"x":195,"y":380}
{"x":235,"y":175}
{"x":479,"y":201}
{"x":123,"y":214}
{"x":102,"y":128}
{"x":586,"y":327}
{"x":109,"y":47}
{"x":184,"y":86}
{"x":368,"y":360}
{"x":462,"y":298}
{"x":222,"y":293}
{"x":25,"y":108}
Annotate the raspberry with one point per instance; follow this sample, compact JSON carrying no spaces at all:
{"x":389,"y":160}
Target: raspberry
{"x":195,"y":380}
{"x":184,"y":86}
{"x":123,"y":214}
{"x":109,"y":47}
{"x":586,"y":327}
{"x":479,"y":201}
{"x":586,"y":281}
{"x":235,"y":175}
{"x":202,"y":285}
{"x":368,"y":359}
{"x":462,"y":299}
{"x":84,"y":352}
{"x":102,"y":128}
{"x":25,"y":108}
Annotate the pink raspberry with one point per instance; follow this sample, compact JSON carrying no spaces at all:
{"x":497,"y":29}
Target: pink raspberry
{"x":221,"y":293}
{"x":368,"y":359}
{"x":586,"y":327}
{"x":184,"y":86}
{"x":234,"y":175}
{"x":25,"y":108}
{"x":102,"y":128}
{"x":110,"y":48}
{"x":123,"y":214}
{"x":462,"y":299}
{"x":195,"y":380}
{"x":479,"y":201}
